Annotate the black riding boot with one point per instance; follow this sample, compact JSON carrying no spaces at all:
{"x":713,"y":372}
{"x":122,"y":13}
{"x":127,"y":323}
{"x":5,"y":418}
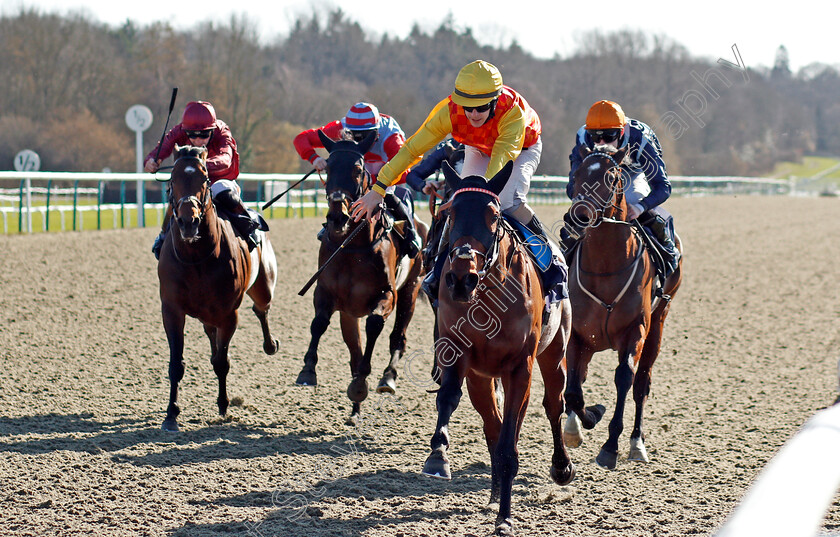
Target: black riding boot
{"x":657,"y":227}
{"x":400,"y":212}
{"x":240,"y":218}
{"x":156,"y":247}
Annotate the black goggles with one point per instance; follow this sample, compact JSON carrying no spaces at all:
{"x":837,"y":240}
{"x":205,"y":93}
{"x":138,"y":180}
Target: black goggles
{"x":358,"y":136}
{"x":607,"y":135}
{"x":199,"y":134}
{"x":481,"y":109}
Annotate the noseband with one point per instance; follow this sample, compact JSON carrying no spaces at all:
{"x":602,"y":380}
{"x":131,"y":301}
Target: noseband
{"x":466,"y":251}
{"x":615,"y":193}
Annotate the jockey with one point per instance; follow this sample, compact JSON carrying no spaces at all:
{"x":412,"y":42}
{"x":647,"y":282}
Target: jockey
{"x":649,"y":187}
{"x":495,"y":124}
{"x":362,"y":119}
{"x":199,"y":127}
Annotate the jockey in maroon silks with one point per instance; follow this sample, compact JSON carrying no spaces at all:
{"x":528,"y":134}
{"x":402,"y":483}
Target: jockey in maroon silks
{"x":200,"y":127}
{"x":362,"y":119}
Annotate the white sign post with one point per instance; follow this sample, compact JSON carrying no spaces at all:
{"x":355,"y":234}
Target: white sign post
{"x":139,"y":119}
{"x":28,"y":161}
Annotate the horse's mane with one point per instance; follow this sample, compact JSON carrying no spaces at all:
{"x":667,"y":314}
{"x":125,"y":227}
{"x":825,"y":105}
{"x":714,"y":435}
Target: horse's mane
{"x":198,"y":152}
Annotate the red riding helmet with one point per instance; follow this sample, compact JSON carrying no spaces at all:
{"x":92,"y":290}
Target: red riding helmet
{"x":198,"y":116}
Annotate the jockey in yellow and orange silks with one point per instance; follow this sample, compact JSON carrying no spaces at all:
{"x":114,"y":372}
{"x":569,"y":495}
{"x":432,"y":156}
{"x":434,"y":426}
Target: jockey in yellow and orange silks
{"x":495,"y":124}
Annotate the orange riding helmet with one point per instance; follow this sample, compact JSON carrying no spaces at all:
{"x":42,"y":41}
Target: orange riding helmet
{"x":605,"y":115}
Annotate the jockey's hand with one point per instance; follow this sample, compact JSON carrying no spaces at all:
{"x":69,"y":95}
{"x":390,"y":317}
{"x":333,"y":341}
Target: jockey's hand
{"x":431,"y":187}
{"x":319,"y":164}
{"x":367,"y":206}
{"x":634,"y":210}
{"x":152,"y":165}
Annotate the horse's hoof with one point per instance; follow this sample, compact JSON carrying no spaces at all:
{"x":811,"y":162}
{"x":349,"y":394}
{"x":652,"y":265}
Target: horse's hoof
{"x":437,"y":466}
{"x":565,"y":477}
{"x":594,"y":414}
{"x":353,"y":420}
{"x":170,"y":425}
{"x":638,"y":452}
{"x":387,"y":385}
{"x":272,"y":347}
{"x":572,"y":440}
{"x":307,"y":378}
{"x":223,"y":406}
{"x":607,"y":459}
{"x":357,"y":391}
{"x":504,"y":528}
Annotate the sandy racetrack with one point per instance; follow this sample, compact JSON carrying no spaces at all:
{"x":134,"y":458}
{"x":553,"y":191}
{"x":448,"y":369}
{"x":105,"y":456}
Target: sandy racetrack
{"x":750,"y":353}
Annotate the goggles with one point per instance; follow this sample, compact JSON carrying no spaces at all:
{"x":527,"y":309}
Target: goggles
{"x":607,"y":135}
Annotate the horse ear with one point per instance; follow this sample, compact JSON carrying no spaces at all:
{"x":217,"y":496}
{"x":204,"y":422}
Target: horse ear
{"x":498,"y":182}
{"x":326,"y":140}
{"x":367,"y":143}
{"x":620,"y":154}
{"x":584,"y":151}
{"x":453,"y":180}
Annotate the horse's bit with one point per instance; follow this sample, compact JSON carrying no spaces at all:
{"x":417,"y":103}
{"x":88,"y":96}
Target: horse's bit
{"x":201,"y":203}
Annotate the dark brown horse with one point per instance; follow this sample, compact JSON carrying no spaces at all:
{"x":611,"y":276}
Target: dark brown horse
{"x":491,"y":326}
{"x":205,"y":270}
{"x":612,"y":287}
{"x":368,"y":278}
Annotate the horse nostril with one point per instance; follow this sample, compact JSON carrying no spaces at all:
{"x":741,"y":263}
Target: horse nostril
{"x":471,"y":281}
{"x":450,"y":280}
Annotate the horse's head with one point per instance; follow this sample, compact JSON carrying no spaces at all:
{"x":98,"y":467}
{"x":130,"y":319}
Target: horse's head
{"x":347,"y":178}
{"x":189,"y":190}
{"x":599,"y":186}
{"x":475,"y":227}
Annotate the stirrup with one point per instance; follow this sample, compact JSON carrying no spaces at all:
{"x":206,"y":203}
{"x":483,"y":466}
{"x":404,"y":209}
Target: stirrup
{"x":431,"y":286}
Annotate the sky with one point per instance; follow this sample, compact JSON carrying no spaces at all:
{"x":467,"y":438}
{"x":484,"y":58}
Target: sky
{"x":543,"y":28}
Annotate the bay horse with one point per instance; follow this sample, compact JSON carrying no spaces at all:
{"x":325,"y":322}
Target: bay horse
{"x":612,"y":288}
{"x":204,"y":271}
{"x":491,"y":326}
{"x":367,"y":278}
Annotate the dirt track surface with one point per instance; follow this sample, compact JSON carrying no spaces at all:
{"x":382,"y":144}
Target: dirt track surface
{"x":749,"y":354}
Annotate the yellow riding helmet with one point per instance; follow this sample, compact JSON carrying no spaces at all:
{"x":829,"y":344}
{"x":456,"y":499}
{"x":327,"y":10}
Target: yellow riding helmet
{"x":477,"y":83}
{"x":605,"y":115}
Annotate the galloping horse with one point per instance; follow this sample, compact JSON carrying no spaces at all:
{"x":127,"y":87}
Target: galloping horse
{"x":491,"y":323}
{"x":368,"y":277}
{"x":612,"y":288}
{"x":204,"y":272}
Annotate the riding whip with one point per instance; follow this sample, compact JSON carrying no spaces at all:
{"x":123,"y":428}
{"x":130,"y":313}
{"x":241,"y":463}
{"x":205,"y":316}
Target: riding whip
{"x":280,"y":195}
{"x":166,"y":126}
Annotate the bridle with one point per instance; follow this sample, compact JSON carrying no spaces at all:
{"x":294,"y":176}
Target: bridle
{"x":466,"y":251}
{"x":202,"y":204}
{"x":362,"y":187}
{"x":613,"y":202}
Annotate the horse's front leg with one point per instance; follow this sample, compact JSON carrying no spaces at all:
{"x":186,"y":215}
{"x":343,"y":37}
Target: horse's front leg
{"x":173,"y":324}
{"x":482,"y":394}
{"x":628,"y":357}
{"x":406,"y":300}
{"x":517,"y":386}
{"x":553,"y":370}
{"x":357,"y":390}
{"x":578,"y":356}
{"x":448,"y":397}
{"x":221,"y":361}
{"x":324,"y":309}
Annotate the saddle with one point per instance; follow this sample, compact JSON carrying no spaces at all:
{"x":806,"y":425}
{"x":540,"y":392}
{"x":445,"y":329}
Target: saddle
{"x":245,"y":226}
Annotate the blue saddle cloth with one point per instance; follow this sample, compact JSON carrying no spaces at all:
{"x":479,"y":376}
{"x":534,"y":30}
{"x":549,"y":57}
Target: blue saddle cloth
{"x":553,"y":271}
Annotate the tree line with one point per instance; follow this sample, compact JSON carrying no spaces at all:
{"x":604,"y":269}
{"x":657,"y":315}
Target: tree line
{"x":66,"y":82}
